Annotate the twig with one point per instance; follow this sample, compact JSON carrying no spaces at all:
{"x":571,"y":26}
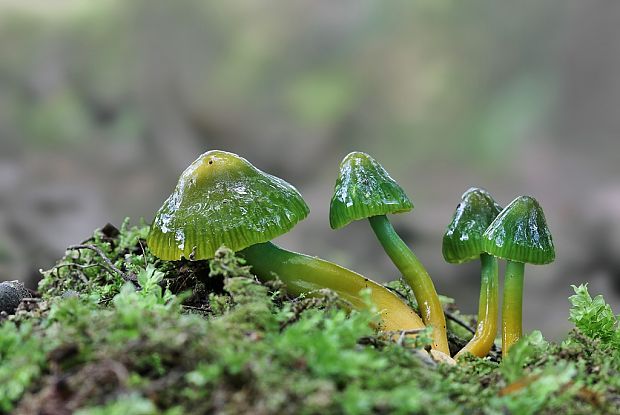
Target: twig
{"x":81,"y":267}
{"x":105,"y":259}
{"x":458,"y":321}
{"x":143,"y":253}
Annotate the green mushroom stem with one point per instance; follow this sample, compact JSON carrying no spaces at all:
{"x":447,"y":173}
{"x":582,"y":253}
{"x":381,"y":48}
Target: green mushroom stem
{"x":463,"y":242}
{"x":512,"y":308}
{"x":519,"y":234}
{"x":416,"y":276}
{"x":486,"y":329}
{"x":304,"y":274}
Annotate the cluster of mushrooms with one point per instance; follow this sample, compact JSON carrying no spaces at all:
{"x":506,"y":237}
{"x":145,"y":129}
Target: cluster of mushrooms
{"x":221,"y":199}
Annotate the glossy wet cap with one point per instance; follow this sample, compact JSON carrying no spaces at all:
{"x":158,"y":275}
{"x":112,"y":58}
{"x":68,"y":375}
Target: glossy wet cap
{"x":520,"y":233}
{"x":364,"y":189}
{"x":463,"y":239}
{"x":222,"y":199}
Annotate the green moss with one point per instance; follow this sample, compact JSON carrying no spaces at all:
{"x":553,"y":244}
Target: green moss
{"x":84,"y":270}
{"x":200,"y":337}
{"x":594,"y":317}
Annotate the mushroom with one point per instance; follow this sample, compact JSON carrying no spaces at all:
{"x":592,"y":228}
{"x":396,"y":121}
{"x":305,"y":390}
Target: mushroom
{"x":462,"y":242}
{"x":222,"y":199}
{"x":11,"y":294}
{"x":364,"y":190}
{"x":519,"y":234}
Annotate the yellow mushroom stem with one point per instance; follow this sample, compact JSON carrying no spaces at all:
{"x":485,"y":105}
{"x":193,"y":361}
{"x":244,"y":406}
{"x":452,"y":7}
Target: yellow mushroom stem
{"x":512,"y":308}
{"x":486,"y":330}
{"x":416,"y":277}
{"x":306,"y":274}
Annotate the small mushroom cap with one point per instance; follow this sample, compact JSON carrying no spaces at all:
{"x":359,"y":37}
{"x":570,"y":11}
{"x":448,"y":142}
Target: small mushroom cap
{"x":463,"y":239}
{"x":222,"y":199}
{"x":364,"y":189}
{"x":11,"y":294}
{"x":520,"y":233}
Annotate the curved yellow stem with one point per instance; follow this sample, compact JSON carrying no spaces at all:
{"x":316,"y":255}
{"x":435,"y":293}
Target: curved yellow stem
{"x":417,"y":277}
{"x":486,"y":330}
{"x":305,"y":274}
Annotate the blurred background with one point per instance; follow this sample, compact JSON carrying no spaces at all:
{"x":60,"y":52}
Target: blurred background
{"x":103,"y":104}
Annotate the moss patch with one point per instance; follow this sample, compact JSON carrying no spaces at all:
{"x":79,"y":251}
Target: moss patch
{"x":206,"y":337}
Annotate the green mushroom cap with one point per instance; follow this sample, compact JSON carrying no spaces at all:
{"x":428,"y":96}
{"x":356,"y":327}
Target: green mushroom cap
{"x":364,"y":189}
{"x":222,"y":199}
{"x":463,"y":239}
{"x":520,"y":233}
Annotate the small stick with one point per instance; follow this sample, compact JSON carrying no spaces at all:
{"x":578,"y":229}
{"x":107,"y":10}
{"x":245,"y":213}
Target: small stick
{"x":460,"y":322}
{"x":105,"y":259}
{"x":143,"y":253}
{"x":82,"y":267}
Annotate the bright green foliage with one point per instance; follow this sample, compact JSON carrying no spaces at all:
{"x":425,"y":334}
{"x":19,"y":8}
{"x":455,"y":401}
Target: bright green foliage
{"x":84,"y":271}
{"x":21,"y":361}
{"x":538,"y":379}
{"x":149,"y":280}
{"x":227,"y":264}
{"x":131,"y":404}
{"x":538,"y":391}
{"x":594,"y":317}
{"x":525,"y":351}
{"x":234,"y":345}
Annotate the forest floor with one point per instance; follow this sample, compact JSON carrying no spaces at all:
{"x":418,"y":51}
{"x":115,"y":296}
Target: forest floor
{"x":113,"y":330}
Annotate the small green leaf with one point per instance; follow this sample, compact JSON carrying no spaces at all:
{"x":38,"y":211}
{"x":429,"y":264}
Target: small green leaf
{"x":593,"y":316}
